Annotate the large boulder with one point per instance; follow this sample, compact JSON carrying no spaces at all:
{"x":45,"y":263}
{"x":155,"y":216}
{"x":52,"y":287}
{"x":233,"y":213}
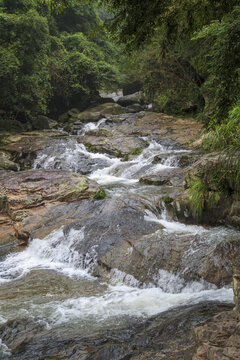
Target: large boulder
{"x":136,"y":98}
{"x":113,"y":143}
{"x":209,"y":197}
{"x":21,"y":149}
{"x":182,"y":131}
{"x":27,"y":197}
{"x":171,"y":177}
{"x":153,"y":257}
{"x":96,"y":113}
{"x":6,"y":163}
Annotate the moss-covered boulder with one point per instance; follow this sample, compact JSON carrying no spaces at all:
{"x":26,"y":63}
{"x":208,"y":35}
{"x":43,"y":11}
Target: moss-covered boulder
{"x":210,"y":195}
{"x":136,"y":98}
{"x":6,"y":163}
{"x":113,"y":143}
{"x":96,"y":113}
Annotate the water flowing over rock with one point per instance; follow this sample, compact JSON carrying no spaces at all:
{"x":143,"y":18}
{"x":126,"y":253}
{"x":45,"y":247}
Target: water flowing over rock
{"x":21,"y":149}
{"x":224,"y":209}
{"x":109,"y":272}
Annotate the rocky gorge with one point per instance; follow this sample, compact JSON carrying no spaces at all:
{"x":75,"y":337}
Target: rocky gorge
{"x":101,"y":255}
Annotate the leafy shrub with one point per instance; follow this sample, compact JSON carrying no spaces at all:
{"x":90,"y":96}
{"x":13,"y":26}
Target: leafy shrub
{"x":224,"y":135}
{"x":200,"y":197}
{"x":100,"y":195}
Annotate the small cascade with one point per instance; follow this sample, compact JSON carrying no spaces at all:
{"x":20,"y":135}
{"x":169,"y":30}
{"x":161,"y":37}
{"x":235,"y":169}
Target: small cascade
{"x":57,"y":251}
{"x":91,"y":126}
{"x":68,"y":154}
{"x":56,"y":283}
{"x":172,"y":226}
{"x":125,"y":296}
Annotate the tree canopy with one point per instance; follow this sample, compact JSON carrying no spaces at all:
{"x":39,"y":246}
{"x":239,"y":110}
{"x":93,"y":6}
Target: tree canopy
{"x":48,"y":62}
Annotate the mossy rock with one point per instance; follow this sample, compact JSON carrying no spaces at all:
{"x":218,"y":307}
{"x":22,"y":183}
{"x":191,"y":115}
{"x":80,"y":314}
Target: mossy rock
{"x":96,"y":113}
{"x":155,"y":180}
{"x":6,"y":163}
{"x":167,"y":200}
{"x":72,"y":192}
{"x":136,"y":151}
{"x":63,"y":118}
{"x":73,"y":112}
{"x":100,"y":133}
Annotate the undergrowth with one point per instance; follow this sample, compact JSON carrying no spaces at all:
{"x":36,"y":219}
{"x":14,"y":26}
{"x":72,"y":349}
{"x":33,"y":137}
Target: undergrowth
{"x":226,"y":135}
{"x":223,"y":178}
{"x":200,"y":197}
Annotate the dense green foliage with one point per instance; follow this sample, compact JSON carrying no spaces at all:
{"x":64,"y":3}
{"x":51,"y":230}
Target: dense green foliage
{"x":222,"y":180}
{"x":226,"y":135}
{"x":189,"y":59}
{"x":188,"y":62}
{"x":48,"y":62}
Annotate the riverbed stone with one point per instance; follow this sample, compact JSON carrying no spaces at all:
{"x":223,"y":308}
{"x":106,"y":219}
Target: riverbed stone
{"x":165,"y":336}
{"x":181,"y":131}
{"x":6,"y":163}
{"x":28,"y":196}
{"x":43,"y":122}
{"x":134,"y":108}
{"x":111,"y":142}
{"x":218,"y":338}
{"x":21,"y":149}
{"x":171,"y":177}
{"x":131,"y":99}
{"x":144,"y":258}
{"x":96,"y":113}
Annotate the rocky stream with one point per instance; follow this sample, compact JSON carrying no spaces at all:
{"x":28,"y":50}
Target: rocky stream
{"x":93,"y":265}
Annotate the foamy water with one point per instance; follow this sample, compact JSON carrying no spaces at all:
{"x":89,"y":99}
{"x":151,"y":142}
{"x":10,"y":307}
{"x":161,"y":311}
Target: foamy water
{"x":123,"y":298}
{"x":91,"y":303}
{"x":56,"y":252}
{"x":171,"y":226}
{"x":68,"y":154}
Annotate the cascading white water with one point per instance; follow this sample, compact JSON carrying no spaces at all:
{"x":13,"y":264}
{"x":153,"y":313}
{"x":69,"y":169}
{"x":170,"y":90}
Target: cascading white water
{"x":56,"y":252}
{"x":92,"y":126}
{"x":124,"y":297}
{"x":68,"y":154}
{"x":79,"y":297}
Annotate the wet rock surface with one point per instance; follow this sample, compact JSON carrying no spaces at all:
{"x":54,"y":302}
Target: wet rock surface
{"x":113,"y":144}
{"x":111,"y":225}
{"x":127,"y":237}
{"x":146,"y":257}
{"x":20,"y":150}
{"x":27,"y":197}
{"x":128,"y":100}
{"x":218,"y":338}
{"x":164,"y":336}
{"x":171,"y":177}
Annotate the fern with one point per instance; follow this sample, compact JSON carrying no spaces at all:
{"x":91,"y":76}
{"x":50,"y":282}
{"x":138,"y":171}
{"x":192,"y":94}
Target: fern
{"x":197,"y":191}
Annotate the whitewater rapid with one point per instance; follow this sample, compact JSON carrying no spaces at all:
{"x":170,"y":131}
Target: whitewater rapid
{"x":55,"y":282}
